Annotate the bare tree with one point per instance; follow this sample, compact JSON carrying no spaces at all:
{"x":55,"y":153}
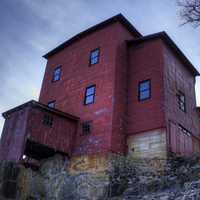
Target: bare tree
{"x":190,"y":12}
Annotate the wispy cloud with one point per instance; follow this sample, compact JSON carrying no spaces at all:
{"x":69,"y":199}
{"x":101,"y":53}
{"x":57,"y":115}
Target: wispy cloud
{"x":31,"y":28}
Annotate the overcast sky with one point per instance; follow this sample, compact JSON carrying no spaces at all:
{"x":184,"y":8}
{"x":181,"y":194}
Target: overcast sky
{"x":30,"y":28}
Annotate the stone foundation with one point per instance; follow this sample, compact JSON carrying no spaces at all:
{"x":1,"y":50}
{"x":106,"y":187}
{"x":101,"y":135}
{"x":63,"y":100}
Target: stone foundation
{"x":53,"y":181}
{"x":126,"y":178}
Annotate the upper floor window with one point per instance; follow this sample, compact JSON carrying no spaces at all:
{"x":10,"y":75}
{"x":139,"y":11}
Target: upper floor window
{"x":86,"y":127}
{"x":181,"y":101}
{"x":94,"y":56}
{"x":89,"y":95}
{"x":144,"y":90}
{"x":51,"y":104}
{"x":48,"y":120}
{"x":57,"y":74}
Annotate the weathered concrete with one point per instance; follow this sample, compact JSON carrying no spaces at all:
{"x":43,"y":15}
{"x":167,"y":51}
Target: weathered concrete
{"x":149,"y":144}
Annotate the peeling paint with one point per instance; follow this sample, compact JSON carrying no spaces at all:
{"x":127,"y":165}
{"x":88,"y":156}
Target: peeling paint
{"x":99,"y":112}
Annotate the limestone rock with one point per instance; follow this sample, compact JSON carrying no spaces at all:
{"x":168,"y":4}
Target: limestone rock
{"x":179,"y":181}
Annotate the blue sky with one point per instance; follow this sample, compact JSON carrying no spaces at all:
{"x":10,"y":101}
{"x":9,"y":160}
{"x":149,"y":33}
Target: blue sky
{"x":30,"y":28}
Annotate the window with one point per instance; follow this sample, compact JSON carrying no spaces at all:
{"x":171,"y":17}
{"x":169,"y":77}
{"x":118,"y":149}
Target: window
{"x":57,"y":74}
{"x":144,"y":90}
{"x":51,"y":104}
{"x":86,"y":127}
{"x":48,"y":120}
{"x":181,"y":101}
{"x":94,"y":56}
{"x":89,"y":95}
{"x":184,"y":130}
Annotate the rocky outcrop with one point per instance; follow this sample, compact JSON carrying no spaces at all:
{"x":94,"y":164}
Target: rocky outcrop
{"x":126,"y":179}
{"x":53,"y":182}
{"x":179,"y":181}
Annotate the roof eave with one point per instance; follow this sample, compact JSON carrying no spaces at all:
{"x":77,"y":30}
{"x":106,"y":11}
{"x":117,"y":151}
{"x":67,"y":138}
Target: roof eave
{"x":163,"y":35}
{"x":111,"y":20}
{"x":8,"y":112}
{"x":42,"y":106}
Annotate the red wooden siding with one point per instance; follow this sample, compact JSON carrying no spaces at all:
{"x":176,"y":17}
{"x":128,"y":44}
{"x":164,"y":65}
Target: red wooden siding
{"x":60,"y":136}
{"x":13,"y":136}
{"x":178,"y":78}
{"x":26,"y":123}
{"x":145,"y":64}
{"x":181,"y":143}
{"x":126,"y":58}
{"x":106,"y":114}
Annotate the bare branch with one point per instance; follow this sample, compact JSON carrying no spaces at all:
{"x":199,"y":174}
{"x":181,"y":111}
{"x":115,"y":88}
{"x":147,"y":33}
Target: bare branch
{"x":190,"y":12}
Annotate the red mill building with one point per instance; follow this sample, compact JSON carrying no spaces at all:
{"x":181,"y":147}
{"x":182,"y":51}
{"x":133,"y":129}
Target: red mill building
{"x":131,"y":94}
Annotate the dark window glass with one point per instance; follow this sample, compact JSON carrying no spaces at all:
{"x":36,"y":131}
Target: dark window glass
{"x":90,"y":90}
{"x":144,"y":90}
{"x":57,"y":74}
{"x":51,"y":104}
{"x":94,"y":56}
{"x":181,"y":101}
{"x":184,"y":130}
{"x":89,"y":95}
{"x":86,"y":127}
{"x":48,"y":120}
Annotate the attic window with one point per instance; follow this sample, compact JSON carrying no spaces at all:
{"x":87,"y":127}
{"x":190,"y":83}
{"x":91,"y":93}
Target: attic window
{"x":86,"y":127}
{"x":48,"y":120}
{"x":94,"y":56}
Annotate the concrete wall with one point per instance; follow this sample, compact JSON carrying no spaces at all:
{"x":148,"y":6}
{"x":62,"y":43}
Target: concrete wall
{"x":149,"y":144}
